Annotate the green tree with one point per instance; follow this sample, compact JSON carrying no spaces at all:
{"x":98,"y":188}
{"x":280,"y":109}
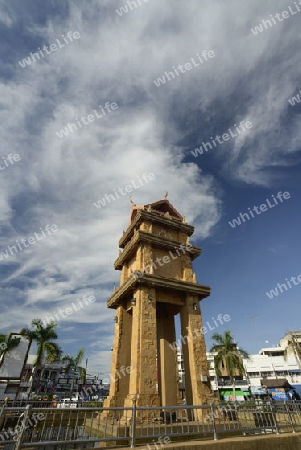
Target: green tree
{"x":73,"y":363}
{"x":293,"y":346}
{"x":229,"y":356}
{"x":7,"y":343}
{"x":44,"y":335}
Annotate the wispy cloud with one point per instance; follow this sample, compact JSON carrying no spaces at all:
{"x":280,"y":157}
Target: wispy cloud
{"x":153,"y":130}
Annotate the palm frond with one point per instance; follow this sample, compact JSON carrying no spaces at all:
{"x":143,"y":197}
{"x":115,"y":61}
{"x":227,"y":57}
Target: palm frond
{"x":53,"y":352}
{"x":228,"y":354}
{"x":82,"y":372}
{"x":244,"y":354}
{"x":66,"y":359}
{"x":80,"y":355}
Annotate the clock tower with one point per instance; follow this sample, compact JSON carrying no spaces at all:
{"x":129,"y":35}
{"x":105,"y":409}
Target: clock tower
{"x":157,"y":282}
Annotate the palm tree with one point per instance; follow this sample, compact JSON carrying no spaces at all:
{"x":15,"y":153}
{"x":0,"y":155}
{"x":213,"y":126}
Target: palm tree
{"x":7,"y":343}
{"x":73,"y":363}
{"x":44,"y":335}
{"x":228,"y":355}
{"x":293,"y":347}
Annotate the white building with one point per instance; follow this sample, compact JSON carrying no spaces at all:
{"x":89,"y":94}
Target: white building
{"x":51,"y":378}
{"x":223,"y":385}
{"x":271,"y":363}
{"x":46,"y":377}
{"x":19,"y":380}
{"x":11,"y":366}
{"x":181,"y":370}
{"x":276,"y":362}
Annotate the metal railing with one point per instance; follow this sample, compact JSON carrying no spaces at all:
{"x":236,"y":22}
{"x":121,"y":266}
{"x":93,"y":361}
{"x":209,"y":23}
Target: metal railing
{"x":27,"y":427}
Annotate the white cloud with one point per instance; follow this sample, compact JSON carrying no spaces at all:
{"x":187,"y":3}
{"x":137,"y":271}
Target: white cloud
{"x":116,"y":60}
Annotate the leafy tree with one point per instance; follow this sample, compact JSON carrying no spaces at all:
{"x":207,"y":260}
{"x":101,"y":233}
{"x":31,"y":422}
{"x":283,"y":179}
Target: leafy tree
{"x":229,"y":356}
{"x":44,"y":335}
{"x":293,"y":346}
{"x":73,"y":363}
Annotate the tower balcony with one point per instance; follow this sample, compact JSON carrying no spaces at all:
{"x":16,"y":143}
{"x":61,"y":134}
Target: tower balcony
{"x":161,"y":283}
{"x":141,"y":237}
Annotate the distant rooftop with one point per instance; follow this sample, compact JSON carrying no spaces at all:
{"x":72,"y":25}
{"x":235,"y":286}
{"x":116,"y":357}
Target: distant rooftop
{"x":271,"y":350}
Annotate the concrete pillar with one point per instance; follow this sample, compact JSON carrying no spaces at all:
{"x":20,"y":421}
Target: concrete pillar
{"x":142,"y":385}
{"x":121,"y":359}
{"x":168,"y":381}
{"x":197,"y":379}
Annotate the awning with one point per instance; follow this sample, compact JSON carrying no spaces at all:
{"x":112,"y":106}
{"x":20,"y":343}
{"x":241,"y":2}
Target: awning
{"x":294,"y":370}
{"x":238,"y":392}
{"x":274,"y":383}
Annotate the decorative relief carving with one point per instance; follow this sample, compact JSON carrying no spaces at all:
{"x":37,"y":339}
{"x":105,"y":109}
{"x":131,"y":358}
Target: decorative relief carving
{"x":147,"y":227}
{"x":186,"y":267}
{"x":163,"y":233}
{"x":148,"y":258}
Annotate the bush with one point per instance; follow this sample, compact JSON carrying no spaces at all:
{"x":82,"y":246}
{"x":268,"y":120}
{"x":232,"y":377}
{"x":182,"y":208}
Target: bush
{"x":93,"y":404}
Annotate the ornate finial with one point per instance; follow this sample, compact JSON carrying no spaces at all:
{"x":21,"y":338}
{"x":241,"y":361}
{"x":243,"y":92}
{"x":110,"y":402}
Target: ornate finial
{"x":134,"y":204}
{"x":166,"y":195}
{"x":115,"y":289}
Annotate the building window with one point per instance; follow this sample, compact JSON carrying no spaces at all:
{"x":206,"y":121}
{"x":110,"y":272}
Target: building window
{"x":267,"y":374}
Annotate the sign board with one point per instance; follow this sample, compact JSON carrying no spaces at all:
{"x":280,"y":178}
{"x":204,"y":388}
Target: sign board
{"x":278,"y":393}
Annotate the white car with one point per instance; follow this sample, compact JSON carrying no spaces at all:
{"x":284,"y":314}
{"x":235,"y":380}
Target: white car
{"x":67,"y":403}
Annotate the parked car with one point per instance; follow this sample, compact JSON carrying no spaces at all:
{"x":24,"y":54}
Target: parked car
{"x":67,"y":403}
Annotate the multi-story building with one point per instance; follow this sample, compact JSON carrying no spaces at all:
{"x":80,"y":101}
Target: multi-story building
{"x":181,"y":370}
{"x":40,"y":381}
{"x":12,"y":364}
{"x":222,"y":385}
{"x":19,"y":380}
{"x":51,"y":378}
{"x":274,"y":363}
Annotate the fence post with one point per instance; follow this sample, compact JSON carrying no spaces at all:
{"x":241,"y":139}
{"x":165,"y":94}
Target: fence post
{"x":213,"y":422}
{"x":2,"y":412}
{"x":274,"y":417}
{"x":24,"y":422}
{"x":290,"y":417}
{"x":133,"y":439}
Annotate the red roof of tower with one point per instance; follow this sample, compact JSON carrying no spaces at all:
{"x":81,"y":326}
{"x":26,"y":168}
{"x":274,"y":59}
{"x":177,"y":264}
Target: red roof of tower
{"x":162,"y":207}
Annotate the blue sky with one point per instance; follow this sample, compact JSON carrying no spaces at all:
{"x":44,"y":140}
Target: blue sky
{"x":154,"y":129}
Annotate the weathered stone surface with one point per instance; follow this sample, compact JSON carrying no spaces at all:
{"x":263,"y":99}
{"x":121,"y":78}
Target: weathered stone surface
{"x":145,"y":309}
